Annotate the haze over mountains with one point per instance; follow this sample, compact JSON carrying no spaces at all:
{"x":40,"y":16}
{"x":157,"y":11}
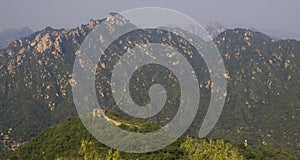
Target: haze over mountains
{"x":212,"y":28}
{"x":274,"y":34}
{"x":263,"y":76}
{"x":8,"y":35}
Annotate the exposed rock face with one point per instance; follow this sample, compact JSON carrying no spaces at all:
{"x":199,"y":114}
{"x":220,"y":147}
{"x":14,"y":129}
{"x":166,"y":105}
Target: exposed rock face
{"x":35,"y":75}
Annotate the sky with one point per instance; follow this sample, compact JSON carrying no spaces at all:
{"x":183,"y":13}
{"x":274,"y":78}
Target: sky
{"x":273,"y":16}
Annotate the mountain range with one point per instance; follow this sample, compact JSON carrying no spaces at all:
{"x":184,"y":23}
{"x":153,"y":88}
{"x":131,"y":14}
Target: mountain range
{"x":262,"y":105}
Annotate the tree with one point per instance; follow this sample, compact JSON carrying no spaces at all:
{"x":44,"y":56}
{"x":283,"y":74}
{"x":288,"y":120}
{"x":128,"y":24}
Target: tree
{"x":113,"y":155}
{"x":212,"y":150}
{"x":88,"y":150}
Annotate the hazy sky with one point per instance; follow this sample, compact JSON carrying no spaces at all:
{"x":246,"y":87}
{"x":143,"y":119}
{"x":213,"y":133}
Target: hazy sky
{"x":270,"y":15}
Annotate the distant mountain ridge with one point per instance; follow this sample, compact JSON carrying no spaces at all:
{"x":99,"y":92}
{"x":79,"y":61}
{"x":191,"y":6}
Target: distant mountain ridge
{"x":213,"y":29}
{"x":8,"y":35}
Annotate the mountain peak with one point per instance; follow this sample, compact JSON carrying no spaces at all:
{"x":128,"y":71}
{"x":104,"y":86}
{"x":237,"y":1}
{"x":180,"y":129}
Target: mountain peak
{"x":92,"y":23}
{"x":241,"y":35}
{"x":48,"y":29}
{"x":214,"y":28}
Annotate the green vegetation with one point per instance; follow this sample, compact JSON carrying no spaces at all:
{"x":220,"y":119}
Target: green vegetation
{"x":214,"y":150}
{"x":71,"y":140}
